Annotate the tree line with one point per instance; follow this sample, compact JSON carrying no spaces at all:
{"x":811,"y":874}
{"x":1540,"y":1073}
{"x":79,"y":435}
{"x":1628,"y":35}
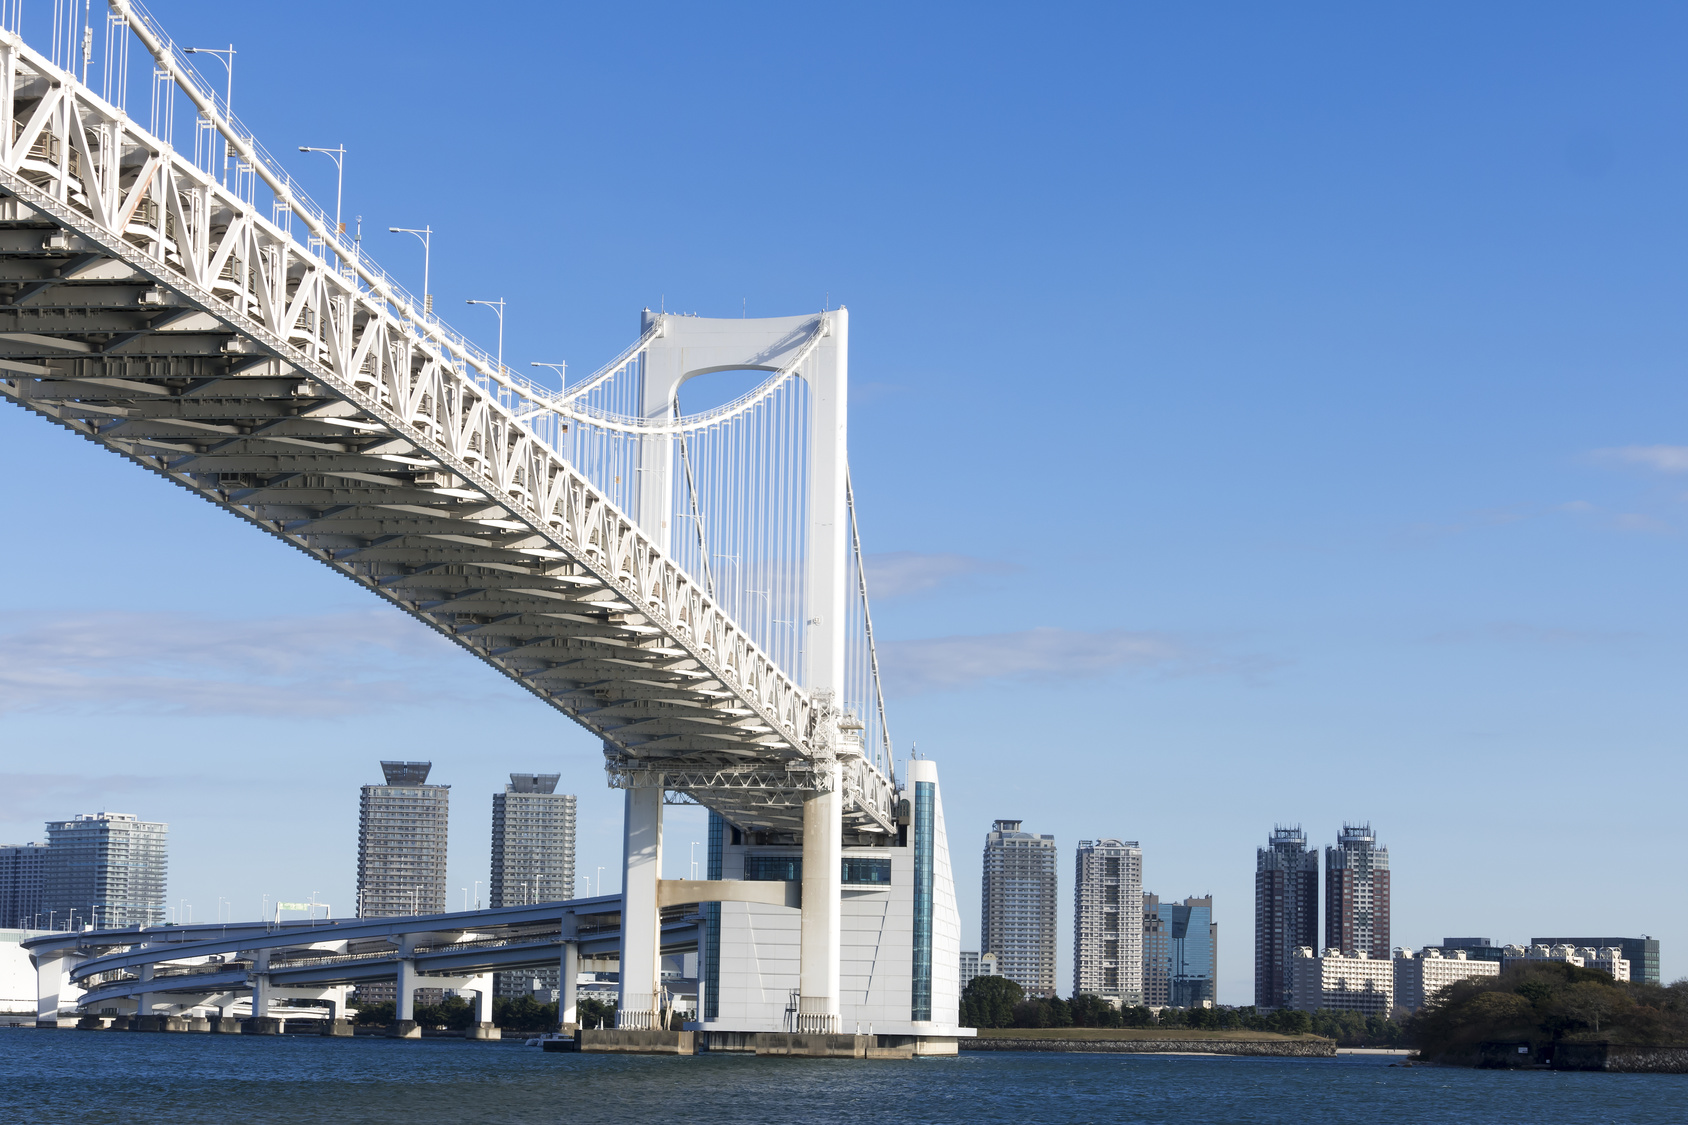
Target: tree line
{"x":991,"y":1002}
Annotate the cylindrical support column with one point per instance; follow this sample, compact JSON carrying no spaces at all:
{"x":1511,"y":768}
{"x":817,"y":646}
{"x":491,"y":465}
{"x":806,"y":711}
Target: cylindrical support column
{"x":822,"y":931}
{"x":568,"y":988}
{"x":641,"y":923}
{"x":405,"y":1007}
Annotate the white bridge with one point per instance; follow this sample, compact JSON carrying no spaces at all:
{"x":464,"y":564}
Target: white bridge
{"x":688,"y":587}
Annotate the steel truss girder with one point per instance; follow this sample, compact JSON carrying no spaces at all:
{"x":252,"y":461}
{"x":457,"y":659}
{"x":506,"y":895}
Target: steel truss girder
{"x":289,"y":379}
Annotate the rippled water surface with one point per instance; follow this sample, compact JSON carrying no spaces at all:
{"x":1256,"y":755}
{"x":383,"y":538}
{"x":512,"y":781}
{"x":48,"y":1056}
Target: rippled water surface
{"x":63,"y":1076}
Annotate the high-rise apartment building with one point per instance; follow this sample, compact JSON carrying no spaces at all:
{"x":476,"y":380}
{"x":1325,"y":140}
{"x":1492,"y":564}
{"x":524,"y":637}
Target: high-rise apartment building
{"x":1286,"y":913}
{"x":402,"y":843}
{"x":1108,"y":920}
{"x":532,"y":842}
{"x":1018,"y":906}
{"x":106,"y":870}
{"x":1357,"y":894}
{"x":533,"y":834}
{"x":23,"y":870}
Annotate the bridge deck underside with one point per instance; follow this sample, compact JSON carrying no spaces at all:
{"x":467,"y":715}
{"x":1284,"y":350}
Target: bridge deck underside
{"x":98,"y":346}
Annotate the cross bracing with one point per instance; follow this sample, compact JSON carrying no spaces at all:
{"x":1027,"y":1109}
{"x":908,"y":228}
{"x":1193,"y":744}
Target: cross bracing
{"x":156,"y":310}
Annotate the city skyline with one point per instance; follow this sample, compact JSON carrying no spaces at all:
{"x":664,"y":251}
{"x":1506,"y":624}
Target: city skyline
{"x":1364,"y":401}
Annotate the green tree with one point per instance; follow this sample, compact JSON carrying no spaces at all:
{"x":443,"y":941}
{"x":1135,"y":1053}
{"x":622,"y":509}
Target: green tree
{"x":990,"y":1002}
{"x":376,"y":1015}
{"x":1289,"y":1021}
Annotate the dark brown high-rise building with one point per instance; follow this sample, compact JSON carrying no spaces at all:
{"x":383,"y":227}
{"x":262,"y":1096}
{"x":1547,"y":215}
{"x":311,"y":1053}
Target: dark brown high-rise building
{"x":1286,"y":913}
{"x":1357,"y":894}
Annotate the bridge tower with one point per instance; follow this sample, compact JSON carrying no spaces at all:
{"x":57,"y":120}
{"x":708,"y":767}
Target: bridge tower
{"x":681,"y":348}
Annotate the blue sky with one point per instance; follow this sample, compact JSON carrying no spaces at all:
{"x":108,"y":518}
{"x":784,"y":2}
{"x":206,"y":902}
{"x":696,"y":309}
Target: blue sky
{"x":1264,"y":415}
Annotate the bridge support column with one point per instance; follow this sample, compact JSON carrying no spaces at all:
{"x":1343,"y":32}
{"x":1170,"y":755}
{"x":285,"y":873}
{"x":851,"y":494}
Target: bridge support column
{"x":822,"y":934}
{"x":641,"y":922}
{"x":568,"y":988}
{"x":404,"y":1004}
{"x":52,"y":986}
{"x":483,"y":1028}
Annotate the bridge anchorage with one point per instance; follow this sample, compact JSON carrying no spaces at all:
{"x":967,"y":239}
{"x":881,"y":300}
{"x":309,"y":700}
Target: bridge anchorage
{"x":687,"y":585}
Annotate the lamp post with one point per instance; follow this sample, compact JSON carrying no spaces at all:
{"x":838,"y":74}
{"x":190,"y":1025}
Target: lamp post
{"x":224,"y":55}
{"x":426,"y":235}
{"x":497,"y":307}
{"x":338,"y":155}
{"x":560,"y":368}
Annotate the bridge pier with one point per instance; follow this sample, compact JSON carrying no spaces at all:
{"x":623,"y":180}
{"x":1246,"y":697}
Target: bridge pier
{"x":404,"y":1004}
{"x":484,"y":1028}
{"x":53,"y":987}
{"x":822,"y":937}
{"x":641,"y":921}
{"x":568,"y":985}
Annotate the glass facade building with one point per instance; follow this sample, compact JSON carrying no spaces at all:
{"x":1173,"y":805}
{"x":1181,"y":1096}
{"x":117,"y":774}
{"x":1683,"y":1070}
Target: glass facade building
{"x":23,"y":873}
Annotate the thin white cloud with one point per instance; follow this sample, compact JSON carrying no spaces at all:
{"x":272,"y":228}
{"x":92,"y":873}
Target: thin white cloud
{"x":1659,"y":458}
{"x":169,"y":663}
{"x":23,"y":795}
{"x":895,"y":574}
{"x":944,"y":663}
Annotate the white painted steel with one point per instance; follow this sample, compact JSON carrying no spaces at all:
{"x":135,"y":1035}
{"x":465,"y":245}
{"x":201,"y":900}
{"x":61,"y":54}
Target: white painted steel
{"x":160,"y":314}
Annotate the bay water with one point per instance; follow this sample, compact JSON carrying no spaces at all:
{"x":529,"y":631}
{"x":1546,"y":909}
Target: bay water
{"x":122,"y":1077}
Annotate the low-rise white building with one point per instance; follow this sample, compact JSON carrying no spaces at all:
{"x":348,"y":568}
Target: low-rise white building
{"x":1608,"y":958}
{"x":1420,"y":976}
{"x":1358,"y":983}
{"x":977,"y":965}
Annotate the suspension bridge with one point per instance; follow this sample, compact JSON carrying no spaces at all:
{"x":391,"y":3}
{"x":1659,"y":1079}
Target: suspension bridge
{"x":687,"y":587}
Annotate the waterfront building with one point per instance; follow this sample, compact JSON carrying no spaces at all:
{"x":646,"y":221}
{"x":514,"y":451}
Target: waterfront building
{"x":106,"y":870}
{"x":1355,"y":982}
{"x":1419,"y":976}
{"x":900,"y":931}
{"x":402,"y":843}
{"x":533,"y":838}
{"x":975,"y":964}
{"x":23,"y":871}
{"x":1357,"y":894}
{"x":1107,"y":920}
{"x":1017,"y":906}
{"x":1286,"y":913}
{"x":1642,"y":952}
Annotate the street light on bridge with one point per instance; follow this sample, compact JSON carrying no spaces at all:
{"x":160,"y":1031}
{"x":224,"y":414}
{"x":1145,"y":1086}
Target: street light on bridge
{"x":338,"y":155}
{"x":426,"y":235}
{"x":497,"y":307}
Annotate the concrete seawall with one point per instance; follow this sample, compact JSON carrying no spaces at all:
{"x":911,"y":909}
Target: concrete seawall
{"x":1261,"y":1047}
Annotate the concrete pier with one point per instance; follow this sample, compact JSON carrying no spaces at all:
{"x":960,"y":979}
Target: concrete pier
{"x":264,"y":1025}
{"x":483,"y":1030}
{"x":338,"y":1027}
{"x":630,"y":1041}
{"x":404,"y":1029}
